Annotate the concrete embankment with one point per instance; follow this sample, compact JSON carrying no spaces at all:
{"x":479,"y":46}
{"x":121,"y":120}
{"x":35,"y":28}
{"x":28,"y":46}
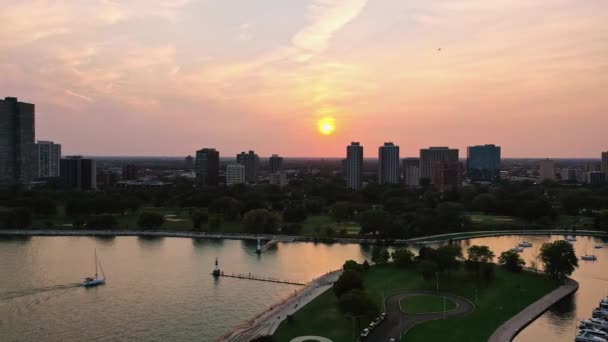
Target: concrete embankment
{"x":517,"y":323}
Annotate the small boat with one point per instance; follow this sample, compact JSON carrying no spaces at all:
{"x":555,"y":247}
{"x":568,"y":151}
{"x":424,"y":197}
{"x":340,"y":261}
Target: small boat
{"x":525,"y":244}
{"x":587,"y":337}
{"x":595,"y":323}
{"x":517,"y":249}
{"x":600,"y":313}
{"x":596,"y":332}
{"x":589,"y":257}
{"x":570,"y":238}
{"x":94,"y":281}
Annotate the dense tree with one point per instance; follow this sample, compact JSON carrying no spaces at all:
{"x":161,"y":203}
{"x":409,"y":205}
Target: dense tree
{"x":295,"y":212}
{"x":215,"y":222}
{"x":348,"y":281}
{"x":480,"y":261}
{"x":380,"y":255}
{"x":340,"y":211}
{"x":198,"y":217}
{"x":352,"y":265}
{"x":150,"y":220}
{"x":427,"y":268}
{"x":446,"y":257}
{"x":374,"y":221}
{"x":403,"y":258}
{"x":227,"y":206}
{"x":601,"y":220}
{"x":104,"y":221}
{"x":451,"y":216}
{"x":558,"y":258}
{"x":261,"y":221}
{"x":485,"y":203}
{"x":356,"y":303}
{"x":291,"y":229}
{"x":15,"y":218}
{"x":511,"y":261}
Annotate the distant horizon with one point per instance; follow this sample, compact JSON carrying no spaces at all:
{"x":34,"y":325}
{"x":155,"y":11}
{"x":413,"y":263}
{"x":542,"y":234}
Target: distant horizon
{"x":309,"y":157}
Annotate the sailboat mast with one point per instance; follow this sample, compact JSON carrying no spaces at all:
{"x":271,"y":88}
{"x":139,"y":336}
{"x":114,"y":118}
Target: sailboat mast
{"x":95,"y":263}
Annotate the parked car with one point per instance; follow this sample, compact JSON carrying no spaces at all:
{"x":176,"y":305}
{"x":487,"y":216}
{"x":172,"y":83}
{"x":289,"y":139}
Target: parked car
{"x":365,"y":332}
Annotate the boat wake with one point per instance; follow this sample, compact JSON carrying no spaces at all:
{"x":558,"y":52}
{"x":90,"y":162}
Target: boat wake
{"x":59,"y":289}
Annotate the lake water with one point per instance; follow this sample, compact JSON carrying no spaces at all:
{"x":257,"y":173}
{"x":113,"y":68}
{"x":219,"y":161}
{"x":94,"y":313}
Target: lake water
{"x":161,"y":289}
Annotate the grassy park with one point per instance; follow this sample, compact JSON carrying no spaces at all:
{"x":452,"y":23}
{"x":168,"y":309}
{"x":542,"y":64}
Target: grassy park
{"x":506,"y":295}
{"x":425,"y":304}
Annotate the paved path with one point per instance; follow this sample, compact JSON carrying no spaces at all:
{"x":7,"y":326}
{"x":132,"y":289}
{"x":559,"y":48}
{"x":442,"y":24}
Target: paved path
{"x":268,"y":322}
{"x":398,"y":322}
{"x":517,"y":323}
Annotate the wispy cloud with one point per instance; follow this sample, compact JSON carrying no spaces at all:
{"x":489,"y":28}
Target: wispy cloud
{"x":326,"y":18}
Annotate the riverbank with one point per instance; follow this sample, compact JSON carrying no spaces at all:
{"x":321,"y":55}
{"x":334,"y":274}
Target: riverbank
{"x":293,"y":238}
{"x":512,"y":327}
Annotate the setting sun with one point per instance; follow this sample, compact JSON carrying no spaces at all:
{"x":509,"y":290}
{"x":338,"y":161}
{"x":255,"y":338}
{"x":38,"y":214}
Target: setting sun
{"x":326,"y":126}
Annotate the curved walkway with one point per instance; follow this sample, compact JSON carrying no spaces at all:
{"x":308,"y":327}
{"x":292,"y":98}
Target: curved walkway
{"x":517,"y":323}
{"x":398,"y":323}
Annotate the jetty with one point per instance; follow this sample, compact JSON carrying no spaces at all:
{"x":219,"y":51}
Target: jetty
{"x":250,"y":276}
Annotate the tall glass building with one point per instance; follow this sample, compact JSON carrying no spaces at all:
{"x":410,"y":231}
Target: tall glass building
{"x":483,"y":163}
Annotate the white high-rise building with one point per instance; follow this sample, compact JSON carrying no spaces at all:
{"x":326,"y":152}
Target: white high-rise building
{"x":48,"y":155}
{"x":546,"y":170}
{"x":235,"y":174}
{"x":411,"y":171}
{"x":354,"y":165}
{"x":388,"y":164}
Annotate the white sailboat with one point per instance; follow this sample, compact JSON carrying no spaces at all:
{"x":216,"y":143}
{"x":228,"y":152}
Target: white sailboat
{"x":94,"y":281}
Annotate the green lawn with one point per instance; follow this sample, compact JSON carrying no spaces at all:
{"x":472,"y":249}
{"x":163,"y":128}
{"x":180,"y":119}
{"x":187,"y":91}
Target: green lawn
{"x":506,"y":295}
{"x":425,"y":304}
{"x":315,"y":225}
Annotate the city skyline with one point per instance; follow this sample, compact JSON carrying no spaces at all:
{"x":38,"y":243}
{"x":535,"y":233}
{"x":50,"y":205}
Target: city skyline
{"x":305,"y":78}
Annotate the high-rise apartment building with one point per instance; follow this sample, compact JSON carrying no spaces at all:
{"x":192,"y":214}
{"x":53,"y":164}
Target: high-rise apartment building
{"x":388,"y":164}
{"x":447,"y":174}
{"x":276,"y":164}
{"x":546,"y":170}
{"x":411,"y":171}
{"x":207,"y":166}
{"x":189,"y":162}
{"x":431,"y":156}
{"x":78,"y":173}
{"x":18,"y":163}
{"x":130,"y":172}
{"x":604,"y":167}
{"x":251,"y":161}
{"x":48,"y":155}
{"x":235,"y":174}
{"x":354,"y":166}
{"x":483,"y":163}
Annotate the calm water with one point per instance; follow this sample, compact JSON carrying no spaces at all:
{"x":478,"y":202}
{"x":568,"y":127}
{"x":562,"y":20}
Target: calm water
{"x":160,"y":289}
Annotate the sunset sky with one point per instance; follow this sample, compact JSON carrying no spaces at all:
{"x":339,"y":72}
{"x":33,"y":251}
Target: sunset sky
{"x":167,"y":77}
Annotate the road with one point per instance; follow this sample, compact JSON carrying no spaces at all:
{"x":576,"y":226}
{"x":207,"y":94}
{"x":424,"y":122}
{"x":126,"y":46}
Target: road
{"x":398,"y":322}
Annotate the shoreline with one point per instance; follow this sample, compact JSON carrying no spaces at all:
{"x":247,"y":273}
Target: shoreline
{"x":296,"y":238}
